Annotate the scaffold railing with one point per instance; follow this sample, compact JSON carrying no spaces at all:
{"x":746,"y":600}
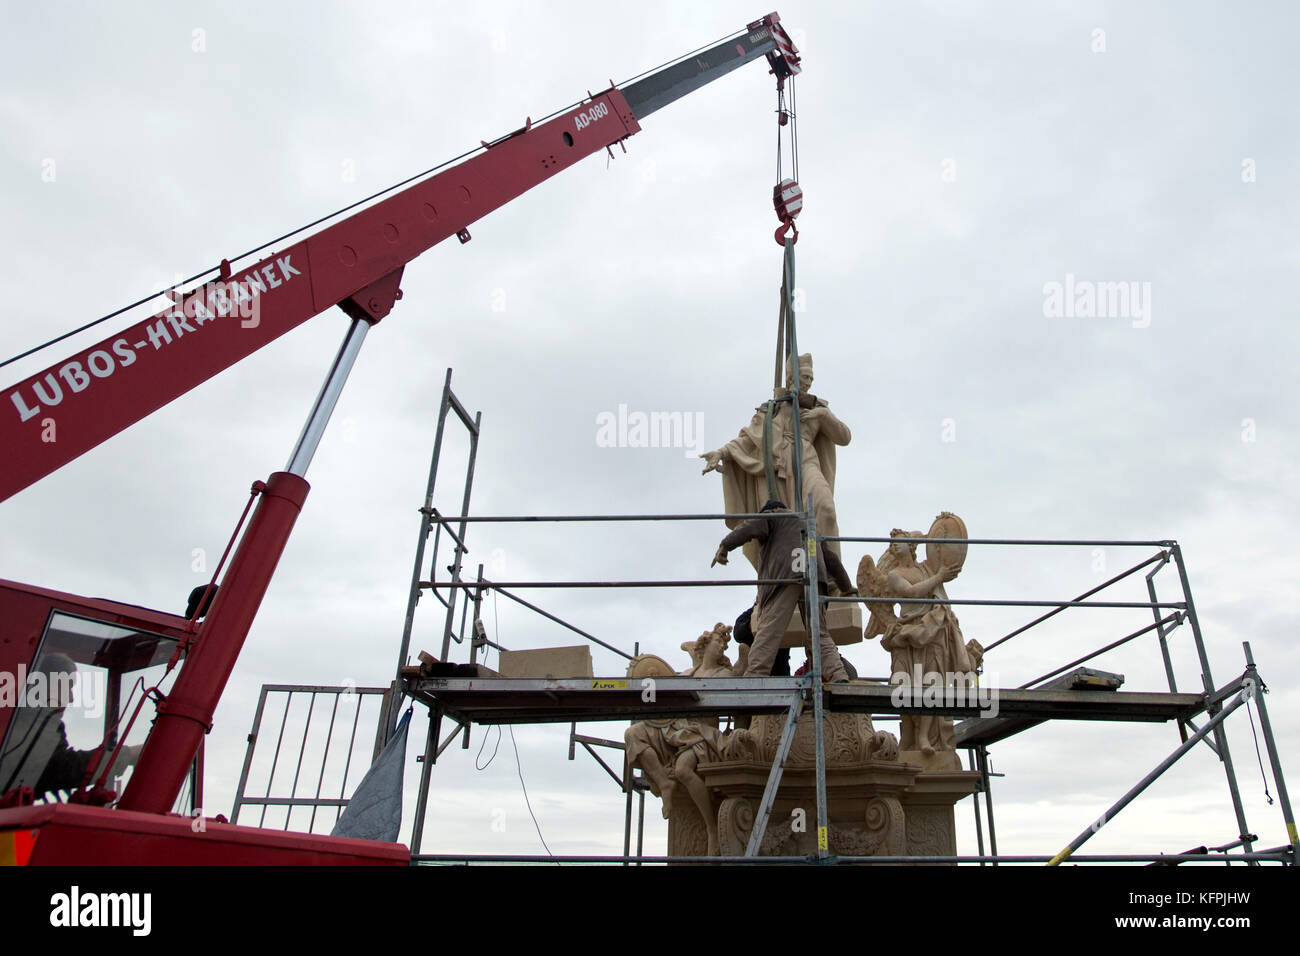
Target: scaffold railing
{"x":1069,"y":691}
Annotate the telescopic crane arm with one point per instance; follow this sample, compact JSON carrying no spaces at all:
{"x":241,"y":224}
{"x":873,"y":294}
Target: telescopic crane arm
{"x":355,"y":263}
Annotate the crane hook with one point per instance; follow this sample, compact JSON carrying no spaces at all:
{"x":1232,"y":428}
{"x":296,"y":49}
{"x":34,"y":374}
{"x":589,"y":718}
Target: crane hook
{"x":786,"y":226}
{"x":787,"y":198}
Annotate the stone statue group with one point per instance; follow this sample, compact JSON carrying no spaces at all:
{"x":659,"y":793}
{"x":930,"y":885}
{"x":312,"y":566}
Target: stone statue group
{"x":924,"y":640}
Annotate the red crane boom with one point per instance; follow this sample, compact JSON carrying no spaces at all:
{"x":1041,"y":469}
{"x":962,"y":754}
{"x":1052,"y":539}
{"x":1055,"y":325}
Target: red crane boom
{"x":355,"y":263}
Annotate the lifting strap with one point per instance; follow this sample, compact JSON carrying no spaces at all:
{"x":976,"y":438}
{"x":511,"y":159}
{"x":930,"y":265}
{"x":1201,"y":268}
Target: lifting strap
{"x":787,"y":197}
{"x":769,"y":407}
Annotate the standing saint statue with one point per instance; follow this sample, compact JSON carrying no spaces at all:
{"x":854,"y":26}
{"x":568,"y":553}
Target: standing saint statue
{"x":743,"y":463}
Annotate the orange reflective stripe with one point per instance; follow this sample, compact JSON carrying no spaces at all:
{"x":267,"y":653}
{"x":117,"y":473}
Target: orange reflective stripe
{"x":16,"y":847}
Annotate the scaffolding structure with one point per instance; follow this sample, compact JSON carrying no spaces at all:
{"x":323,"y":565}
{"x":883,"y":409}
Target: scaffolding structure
{"x":1072,"y":691}
{"x":1080,"y":693}
{"x":332,"y":719}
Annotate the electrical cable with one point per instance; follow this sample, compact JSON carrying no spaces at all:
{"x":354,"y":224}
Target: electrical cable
{"x":684,"y":56}
{"x":182,"y":286}
{"x":1267,"y":796}
{"x":496,"y":627}
{"x":496,"y":630}
{"x":528,"y":803}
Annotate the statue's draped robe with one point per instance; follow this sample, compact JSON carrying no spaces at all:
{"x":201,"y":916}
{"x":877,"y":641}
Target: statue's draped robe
{"x":928,"y":639}
{"x":668,"y":737}
{"x":744,"y":478}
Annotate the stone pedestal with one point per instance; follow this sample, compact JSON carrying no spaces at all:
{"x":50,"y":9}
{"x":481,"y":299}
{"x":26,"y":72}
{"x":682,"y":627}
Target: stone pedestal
{"x":877,"y":804}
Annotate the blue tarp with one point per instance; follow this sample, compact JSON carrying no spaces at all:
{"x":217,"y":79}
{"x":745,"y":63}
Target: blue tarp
{"x":375,"y":810}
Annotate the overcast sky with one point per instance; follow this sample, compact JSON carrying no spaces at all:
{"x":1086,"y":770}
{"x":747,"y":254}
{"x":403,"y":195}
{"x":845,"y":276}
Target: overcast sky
{"x":958,"y":160}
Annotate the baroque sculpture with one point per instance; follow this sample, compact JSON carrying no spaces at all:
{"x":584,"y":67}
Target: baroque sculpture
{"x":924,"y":640}
{"x":742,"y":462}
{"x":670,"y":750}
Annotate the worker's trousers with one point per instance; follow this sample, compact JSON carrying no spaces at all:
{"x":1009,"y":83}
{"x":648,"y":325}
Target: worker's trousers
{"x":773,"y":617}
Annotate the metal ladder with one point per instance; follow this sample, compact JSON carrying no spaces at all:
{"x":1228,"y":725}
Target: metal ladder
{"x":432,"y":520}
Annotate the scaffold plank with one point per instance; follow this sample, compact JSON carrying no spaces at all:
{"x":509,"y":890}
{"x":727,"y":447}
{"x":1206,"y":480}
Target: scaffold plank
{"x":982,"y":731}
{"x":522,"y":701}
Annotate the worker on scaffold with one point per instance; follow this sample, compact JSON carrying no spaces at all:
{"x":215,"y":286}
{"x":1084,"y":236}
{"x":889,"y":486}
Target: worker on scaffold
{"x":782,"y":555}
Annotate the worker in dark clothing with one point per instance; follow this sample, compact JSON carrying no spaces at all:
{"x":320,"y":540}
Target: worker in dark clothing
{"x":781,"y":555}
{"x":36,"y":751}
{"x":743,"y":633}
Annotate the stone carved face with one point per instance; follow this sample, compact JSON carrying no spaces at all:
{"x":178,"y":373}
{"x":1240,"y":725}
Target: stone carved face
{"x":904,"y":550}
{"x":805,"y":372}
{"x":716,"y":646}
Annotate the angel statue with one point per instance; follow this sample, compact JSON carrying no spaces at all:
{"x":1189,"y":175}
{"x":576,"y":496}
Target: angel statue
{"x":669,"y":750}
{"x":924,"y":640}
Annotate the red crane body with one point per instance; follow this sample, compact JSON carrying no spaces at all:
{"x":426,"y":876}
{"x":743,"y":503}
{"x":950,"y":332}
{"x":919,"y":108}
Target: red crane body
{"x":355,"y":263}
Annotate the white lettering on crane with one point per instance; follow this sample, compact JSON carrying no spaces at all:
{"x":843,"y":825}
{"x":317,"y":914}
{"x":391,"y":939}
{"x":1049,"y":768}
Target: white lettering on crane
{"x":75,"y":376}
{"x":179,"y":325}
{"x":122,"y":349}
{"x":583,"y":120}
{"x":216,"y":301}
{"x":24,"y":413}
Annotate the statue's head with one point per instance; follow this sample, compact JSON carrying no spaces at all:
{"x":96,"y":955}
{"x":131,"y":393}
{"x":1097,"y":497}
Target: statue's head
{"x":805,"y":372}
{"x":718,"y":639}
{"x":711,"y":646}
{"x":904,"y":549}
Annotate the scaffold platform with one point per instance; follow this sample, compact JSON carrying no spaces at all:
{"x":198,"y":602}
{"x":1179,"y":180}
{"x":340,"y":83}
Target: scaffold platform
{"x":542,"y":701}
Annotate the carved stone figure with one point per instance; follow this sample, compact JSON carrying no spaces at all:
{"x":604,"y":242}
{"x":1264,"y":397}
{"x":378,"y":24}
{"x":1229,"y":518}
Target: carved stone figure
{"x":741,"y":461}
{"x":669,"y":750}
{"x":865,"y":782}
{"x":847,"y":739}
{"x":924,"y":640}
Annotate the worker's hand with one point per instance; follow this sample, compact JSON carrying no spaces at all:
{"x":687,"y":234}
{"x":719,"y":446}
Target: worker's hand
{"x":720,"y":557}
{"x":127,"y":757}
{"x":712,"y":461}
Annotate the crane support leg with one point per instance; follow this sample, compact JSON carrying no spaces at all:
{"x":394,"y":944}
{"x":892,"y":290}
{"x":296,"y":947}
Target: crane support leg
{"x":185,"y":715}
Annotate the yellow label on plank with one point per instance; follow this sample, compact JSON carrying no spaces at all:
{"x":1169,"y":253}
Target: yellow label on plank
{"x":609,"y":685}
{"x":822,"y":842}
